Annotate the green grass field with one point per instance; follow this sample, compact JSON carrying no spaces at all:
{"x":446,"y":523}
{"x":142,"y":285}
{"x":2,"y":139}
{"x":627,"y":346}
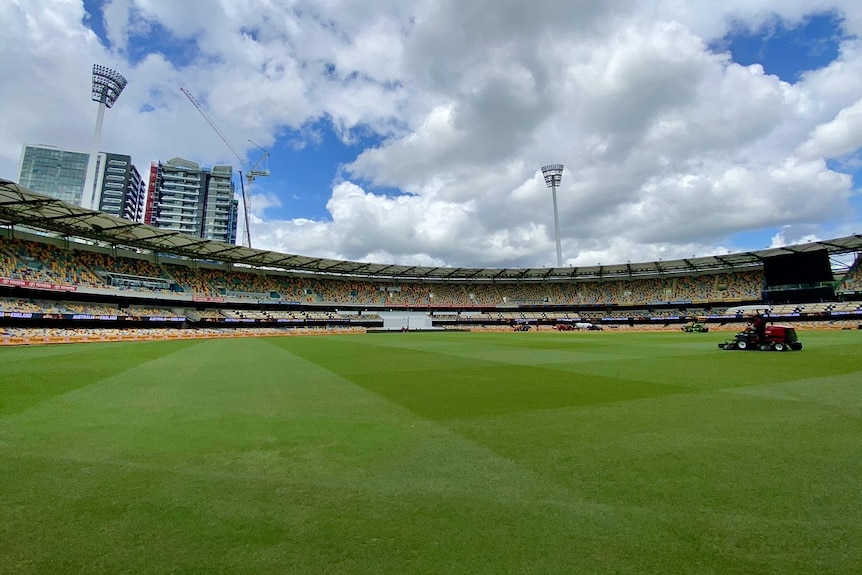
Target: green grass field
{"x":433,"y":453}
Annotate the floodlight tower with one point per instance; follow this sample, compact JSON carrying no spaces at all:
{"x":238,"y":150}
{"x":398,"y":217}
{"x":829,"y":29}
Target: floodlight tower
{"x":107,"y":86}
{"x":553,"y":176}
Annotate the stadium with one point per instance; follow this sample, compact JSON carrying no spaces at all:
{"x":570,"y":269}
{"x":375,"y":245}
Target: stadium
{"x":176,"y":430}
{"x":65,"y":267}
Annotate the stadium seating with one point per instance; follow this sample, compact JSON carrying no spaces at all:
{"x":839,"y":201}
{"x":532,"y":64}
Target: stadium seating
{"x":852,"y":281}
{"x":132,"y":285}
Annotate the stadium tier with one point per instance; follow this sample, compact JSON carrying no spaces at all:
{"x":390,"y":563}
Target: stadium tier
{"x":67,"y":288}
{"x":62,"y":264}
{"x":52,"y":265}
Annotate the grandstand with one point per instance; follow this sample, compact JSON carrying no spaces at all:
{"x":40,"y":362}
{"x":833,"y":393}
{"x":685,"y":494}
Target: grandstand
{"x":65,"y":267}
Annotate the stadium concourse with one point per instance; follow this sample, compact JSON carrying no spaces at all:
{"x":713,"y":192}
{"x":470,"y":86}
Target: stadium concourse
{"x":70,"y":274}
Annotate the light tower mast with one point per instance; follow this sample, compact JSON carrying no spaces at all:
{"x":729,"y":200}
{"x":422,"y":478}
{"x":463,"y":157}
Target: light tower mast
{"x":107,"y":86}
{"x":553,"y":176}
{"x":252,"y":171}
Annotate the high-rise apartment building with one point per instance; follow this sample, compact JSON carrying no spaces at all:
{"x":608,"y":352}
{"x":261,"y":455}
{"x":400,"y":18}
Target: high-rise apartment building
{"x":137,"y":192}
{"x":220,"y":207}
{"x":186,"y":198}
{"x":121,"y":185}
{"x":61,"y":174}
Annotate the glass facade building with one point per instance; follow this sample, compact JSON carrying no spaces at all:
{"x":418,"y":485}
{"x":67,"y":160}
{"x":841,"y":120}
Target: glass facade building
{"x":61,"y":174}
{"x":54,"y":172}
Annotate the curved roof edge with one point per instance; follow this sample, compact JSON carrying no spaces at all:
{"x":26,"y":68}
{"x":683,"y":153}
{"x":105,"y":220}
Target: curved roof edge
{"x":22,"y":207}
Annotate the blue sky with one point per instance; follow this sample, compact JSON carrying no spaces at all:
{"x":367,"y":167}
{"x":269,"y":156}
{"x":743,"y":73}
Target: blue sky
{"x":307,"y":167}
{"x":413,"y":132}
{"x":787,"y":51}
{"x":304,"y":162}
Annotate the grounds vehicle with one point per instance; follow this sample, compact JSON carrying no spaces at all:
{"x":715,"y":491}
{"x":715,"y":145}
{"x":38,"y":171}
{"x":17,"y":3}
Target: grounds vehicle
{"x":694,"y":327}
{"x":578,"y":326}
{"x":777,"y":338}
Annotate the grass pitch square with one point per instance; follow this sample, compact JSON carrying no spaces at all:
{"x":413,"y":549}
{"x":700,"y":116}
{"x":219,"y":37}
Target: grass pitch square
{"x":432,"y":453}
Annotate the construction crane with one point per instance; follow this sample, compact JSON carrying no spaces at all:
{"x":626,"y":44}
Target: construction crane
{"x":252,"y":171}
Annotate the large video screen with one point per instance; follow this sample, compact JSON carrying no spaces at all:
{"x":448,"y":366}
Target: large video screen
{"x":804,"y":268}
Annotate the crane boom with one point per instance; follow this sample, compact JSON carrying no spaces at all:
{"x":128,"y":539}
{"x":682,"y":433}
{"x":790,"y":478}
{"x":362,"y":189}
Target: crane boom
{"x":212,"y":124}
{"x":252,"y":172}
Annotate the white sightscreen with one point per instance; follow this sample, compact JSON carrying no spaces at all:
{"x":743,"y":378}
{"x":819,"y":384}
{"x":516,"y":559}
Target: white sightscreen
{"x":398,"y":320}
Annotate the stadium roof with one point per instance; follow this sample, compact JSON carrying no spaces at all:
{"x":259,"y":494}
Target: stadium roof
{"x":22,"y":207}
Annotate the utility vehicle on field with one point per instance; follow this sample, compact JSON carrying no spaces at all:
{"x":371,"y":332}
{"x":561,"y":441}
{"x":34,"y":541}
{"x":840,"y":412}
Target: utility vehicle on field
{"x":775,"y":338}
{"x":578,"y":326}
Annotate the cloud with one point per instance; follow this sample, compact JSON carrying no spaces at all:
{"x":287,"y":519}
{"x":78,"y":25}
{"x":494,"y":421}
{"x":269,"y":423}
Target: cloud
{"x":115,"y":16}
{"x":671,"y":148}
{"x":838,"y":137}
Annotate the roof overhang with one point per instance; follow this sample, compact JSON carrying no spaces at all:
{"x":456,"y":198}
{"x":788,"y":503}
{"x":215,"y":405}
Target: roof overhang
{"x":22,"y":207}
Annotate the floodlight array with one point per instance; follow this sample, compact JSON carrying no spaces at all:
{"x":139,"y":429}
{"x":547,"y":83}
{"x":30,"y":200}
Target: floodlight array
{"x":107,"y":85}
{"x":553,"y":174}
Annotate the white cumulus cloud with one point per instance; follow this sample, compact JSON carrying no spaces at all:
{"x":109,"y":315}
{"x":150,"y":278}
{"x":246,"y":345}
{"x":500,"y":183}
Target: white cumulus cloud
{"x":671,"y":148}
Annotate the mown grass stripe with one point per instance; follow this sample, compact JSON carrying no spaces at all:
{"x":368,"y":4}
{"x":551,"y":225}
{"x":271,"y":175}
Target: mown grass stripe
{"x":479,"y":453}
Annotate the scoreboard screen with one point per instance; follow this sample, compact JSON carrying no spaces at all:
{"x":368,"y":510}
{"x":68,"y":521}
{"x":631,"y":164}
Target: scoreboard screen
{"x":804,"y":268}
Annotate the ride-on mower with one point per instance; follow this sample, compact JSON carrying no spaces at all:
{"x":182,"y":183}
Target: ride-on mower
{"x":776,"y":338}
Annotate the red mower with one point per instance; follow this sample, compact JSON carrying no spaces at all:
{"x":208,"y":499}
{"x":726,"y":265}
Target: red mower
{"x":776,"y":338}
